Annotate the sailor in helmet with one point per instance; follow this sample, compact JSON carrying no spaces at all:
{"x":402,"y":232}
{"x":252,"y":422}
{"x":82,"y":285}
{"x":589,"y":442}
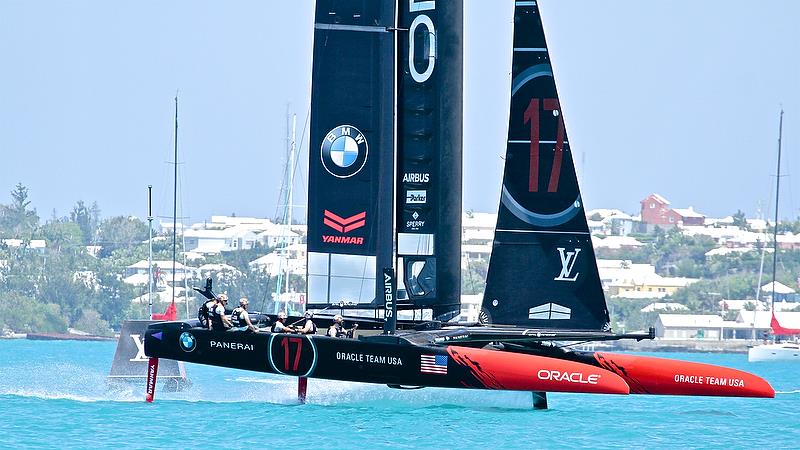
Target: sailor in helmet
{"x":241,"y":318}
{"x":338,"y":330}
{"x":280,"y":324}
{"x":216,"y":315}
{"x":309,"y":327}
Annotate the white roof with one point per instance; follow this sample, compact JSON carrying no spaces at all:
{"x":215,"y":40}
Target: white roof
{"x":658,"y":197}
{"x":754,"y":319}
{"x":722,"y":251}
{"x":763,"y":319}
{"x":614,"y":242}
{"x":33,"y":243}
{"x":687,"y":212}
{"x":737,"y":305}
{"x":664,"y":306}
{"x":163,"y":264}
{"x":690,"y":320}
{"x":604,"y":213}
{"x":786,"y":306}
{"x":780,"y":288}
{"x":217,"y":268}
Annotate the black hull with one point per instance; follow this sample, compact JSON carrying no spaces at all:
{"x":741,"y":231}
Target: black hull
{"x":410,"y":360}
{"x":450,"y":359}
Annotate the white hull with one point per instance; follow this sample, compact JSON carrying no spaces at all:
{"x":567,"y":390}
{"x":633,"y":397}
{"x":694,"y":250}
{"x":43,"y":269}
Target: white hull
{"x":786,"y":351}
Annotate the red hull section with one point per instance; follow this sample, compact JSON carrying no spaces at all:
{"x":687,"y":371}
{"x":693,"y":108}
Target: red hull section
{"x":659,"y":376}
{"x":521,"y":372}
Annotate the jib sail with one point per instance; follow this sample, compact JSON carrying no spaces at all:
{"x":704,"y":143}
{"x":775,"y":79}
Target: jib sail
{"x":542,"y":272}
{"x":429,"y":127}
{"x":351,"y":152}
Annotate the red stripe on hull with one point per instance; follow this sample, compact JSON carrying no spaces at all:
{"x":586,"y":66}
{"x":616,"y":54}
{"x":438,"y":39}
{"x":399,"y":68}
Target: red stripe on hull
{"x":659,"y":376}
{"x":521,"y":372}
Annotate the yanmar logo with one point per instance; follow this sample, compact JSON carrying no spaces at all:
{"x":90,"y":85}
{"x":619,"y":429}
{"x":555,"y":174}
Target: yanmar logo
{"x":344,"y":225}
{"x":570,"y":377}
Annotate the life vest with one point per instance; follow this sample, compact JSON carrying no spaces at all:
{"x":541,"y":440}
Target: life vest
{"x":236,"y":318}
{"x":339,"y":330}
{"x":313,"y":326}
{"x":275,"y":327}
{"x":203,"y":313}
{"x":216,"y":320}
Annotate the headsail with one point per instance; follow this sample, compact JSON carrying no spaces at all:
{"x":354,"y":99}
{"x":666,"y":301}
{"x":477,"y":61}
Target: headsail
{"x":351,"y":152}
{"x":542,"y":272}
{"x":429,"y":129}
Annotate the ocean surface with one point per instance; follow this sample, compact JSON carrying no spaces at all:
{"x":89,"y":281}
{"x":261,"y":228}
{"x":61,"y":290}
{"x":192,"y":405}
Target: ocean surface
{"x":53,"y":394}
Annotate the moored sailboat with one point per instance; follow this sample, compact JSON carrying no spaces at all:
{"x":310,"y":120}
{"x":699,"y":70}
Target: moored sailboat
{"x":543,"y":286}
{"x":776,"y":351}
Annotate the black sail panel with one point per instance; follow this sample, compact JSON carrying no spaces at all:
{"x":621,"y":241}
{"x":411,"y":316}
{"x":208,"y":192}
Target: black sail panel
{"x":429,"y":127}
{"x":542,"y":271}
{"x":351,"y":152}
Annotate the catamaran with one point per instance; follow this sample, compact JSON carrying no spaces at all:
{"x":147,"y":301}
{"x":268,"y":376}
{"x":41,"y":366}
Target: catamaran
{"x":384,"y":216}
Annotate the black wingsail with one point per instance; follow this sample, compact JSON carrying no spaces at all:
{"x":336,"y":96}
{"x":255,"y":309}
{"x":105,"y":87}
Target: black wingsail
{"x":351,"y":153}
{"x":429,"y":129}
{"x":542,"y":272}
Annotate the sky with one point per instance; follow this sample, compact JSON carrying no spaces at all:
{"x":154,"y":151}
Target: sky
{"x":675,"y":97}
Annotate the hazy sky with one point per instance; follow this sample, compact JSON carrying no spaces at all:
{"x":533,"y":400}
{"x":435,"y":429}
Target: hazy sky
{"x":676,"y":97}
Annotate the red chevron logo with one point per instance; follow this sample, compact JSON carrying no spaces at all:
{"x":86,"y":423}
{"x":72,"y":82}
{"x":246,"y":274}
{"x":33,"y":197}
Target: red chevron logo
{"x":342,"y":224}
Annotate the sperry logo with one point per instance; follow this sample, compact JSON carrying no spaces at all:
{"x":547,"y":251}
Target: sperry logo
{"x":567,"y":264}
{"x":140,"y":356}
{"x":344,"y":225}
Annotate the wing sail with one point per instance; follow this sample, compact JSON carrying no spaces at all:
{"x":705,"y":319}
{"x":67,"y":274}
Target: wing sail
{"x":542,"y":272}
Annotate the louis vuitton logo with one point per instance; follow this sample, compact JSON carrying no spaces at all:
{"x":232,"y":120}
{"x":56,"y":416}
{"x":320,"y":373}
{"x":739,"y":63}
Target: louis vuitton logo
{"x":567,"y":264}
{"x":140,"y":356}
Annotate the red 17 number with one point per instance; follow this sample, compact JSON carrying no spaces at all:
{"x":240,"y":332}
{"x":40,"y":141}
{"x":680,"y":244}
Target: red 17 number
{"x":531,"y":116}
{"x":285,"y":344}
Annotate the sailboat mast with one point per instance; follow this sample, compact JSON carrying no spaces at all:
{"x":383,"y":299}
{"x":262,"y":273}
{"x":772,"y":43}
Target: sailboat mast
{"x":775,"y":229}
{"x":150,"y":253}
{"x":290,"y":193}
{"x":175,"y":202}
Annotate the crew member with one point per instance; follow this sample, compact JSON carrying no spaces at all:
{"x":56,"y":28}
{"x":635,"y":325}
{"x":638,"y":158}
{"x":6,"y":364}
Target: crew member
{"x":338,"y":330}
{"x":309,"y":327}
{"x":280,"y":325}
{"x":240,"y":318}
{"x":204,"y":312}
{"x":216,"y":315}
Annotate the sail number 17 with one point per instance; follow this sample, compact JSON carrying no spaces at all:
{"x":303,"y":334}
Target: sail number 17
{"x":531,"y":116}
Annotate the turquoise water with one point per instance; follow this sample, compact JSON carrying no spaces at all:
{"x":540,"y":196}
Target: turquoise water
{"x":53,"y":395}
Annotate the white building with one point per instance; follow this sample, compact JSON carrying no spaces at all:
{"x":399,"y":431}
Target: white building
{"x":291,"y":258}
{"x":689,"y":326}
{"x":210,"y":241}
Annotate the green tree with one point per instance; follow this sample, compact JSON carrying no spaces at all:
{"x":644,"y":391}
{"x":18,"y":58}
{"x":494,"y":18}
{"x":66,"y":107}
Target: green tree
{"x":86,"y":219}
{"x":62,"y":236}
{"x":121,"y":232}
{"x":740,"y":220}
{"x":16,"y":219}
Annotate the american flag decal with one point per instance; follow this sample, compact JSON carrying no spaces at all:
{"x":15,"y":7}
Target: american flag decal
{"x":436,"y":364}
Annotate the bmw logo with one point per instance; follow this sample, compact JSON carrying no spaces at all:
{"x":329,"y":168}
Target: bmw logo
{"x":187,"y":342}
{"x":344,"y":151}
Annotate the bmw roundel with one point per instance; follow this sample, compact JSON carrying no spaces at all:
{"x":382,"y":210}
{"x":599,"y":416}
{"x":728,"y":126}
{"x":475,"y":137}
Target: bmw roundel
{"x":344,"y":151}
{"x":187,"y":342}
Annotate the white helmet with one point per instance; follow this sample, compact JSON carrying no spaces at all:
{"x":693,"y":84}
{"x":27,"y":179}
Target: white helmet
{"x":338,"y":318}
{"x":281,"y":315}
